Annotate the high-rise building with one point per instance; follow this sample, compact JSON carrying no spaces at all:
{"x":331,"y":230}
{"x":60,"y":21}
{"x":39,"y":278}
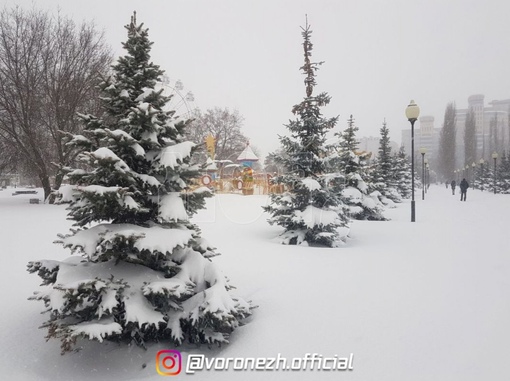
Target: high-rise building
{"x":492,"y":128}
{"x":425,"y":136}
{"x":492,"y":131}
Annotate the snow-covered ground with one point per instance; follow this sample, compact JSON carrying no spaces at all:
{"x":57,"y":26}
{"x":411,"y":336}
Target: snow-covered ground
{"x":411,"y":301}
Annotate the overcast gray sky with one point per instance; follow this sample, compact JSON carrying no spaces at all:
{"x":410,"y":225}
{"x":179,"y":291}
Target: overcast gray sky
{"x":378,"y":54}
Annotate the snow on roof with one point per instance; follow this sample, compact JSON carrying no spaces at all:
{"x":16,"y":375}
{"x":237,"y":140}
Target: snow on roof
{"x":247,"y":155}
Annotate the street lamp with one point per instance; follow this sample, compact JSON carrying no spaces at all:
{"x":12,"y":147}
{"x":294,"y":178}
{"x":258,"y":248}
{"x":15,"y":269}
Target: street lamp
{"x":473,"y":173}
{"x":495,"y":157}
{"x":481,"y":174}
{"x":423,"y":151}
{"x":427,"y":177}
{"x":412,"y":114}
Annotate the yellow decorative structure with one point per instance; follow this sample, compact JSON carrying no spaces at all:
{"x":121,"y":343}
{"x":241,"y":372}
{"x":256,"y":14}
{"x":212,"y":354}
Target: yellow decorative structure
{"x":210,"y":143}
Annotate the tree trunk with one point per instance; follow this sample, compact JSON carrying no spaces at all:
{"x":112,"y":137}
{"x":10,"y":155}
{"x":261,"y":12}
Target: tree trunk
{"x":45,"y":181}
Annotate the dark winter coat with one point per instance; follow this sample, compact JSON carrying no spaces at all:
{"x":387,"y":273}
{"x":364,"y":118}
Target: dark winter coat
{"x":464,"y":185}
{"x":453,"y":184}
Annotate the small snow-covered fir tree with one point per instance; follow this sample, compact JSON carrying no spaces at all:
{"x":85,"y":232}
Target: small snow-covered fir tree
{"x":383,"y":180}
{"x":363,"y":204}
{"x":144,"y":273}
{"x":310,"y":210}
{"x":402,"y":173}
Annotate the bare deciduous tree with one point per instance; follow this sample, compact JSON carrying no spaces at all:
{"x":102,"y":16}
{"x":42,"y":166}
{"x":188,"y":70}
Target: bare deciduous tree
{"x":225,"y":127}
{"x":49,"y":69}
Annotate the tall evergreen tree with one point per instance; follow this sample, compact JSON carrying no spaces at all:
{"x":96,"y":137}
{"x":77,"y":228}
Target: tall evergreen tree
{"x":470,"y":138}
{"x":144,"y":273}
{"x":384,"y":155}
{"x":446,"y":163}
{"x":402,"y":173}
{"x":310,"y":210}
{"x":382,"y":174}
{"x":363,"y":205}
{"x":494,"y":141}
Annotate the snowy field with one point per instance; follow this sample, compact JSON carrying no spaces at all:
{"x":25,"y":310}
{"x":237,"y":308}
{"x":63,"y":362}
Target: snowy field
{"x":411,"y":301}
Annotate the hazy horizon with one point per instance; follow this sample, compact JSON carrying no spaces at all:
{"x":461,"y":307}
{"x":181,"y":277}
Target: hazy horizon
{"x":378,"y":55}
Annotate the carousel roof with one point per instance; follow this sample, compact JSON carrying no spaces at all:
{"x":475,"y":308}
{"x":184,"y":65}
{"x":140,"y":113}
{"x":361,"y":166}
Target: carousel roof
{"x":247,"y":155}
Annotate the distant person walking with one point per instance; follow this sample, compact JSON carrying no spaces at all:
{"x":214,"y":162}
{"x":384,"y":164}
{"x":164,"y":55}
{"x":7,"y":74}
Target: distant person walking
{"x":463,"y":189}
{"x":453,"y":183}
{"x":446,"y":182}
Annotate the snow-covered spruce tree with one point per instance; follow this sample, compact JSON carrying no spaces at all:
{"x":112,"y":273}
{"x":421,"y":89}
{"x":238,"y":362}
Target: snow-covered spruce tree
{"x":309,"y":210}
{"x":383,"y":180}
{"x":479,"y":178}
{"x":503,"y":175}
{"x":402,"y":173}
{"x":488,"y":176}
{"x":144,"y":273}
{"x":353,"y":164}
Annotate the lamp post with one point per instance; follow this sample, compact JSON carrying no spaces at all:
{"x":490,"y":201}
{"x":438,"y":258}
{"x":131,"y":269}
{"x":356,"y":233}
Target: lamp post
{"x":473,"y":173}
{"x":423,"y":151}
{"x":495,"y":157}
{"x":427,"y":178}
{"x":481,"y":173}
{"x":412,"y":114}
{"x":427,"y":175}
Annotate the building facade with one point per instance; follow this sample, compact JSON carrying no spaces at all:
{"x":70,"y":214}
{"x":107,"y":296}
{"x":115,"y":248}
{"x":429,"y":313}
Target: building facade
{"x":491,"y":125}
{"x":371,"y":144}
{"x":492,"y":132}
{"x":425,"y":136}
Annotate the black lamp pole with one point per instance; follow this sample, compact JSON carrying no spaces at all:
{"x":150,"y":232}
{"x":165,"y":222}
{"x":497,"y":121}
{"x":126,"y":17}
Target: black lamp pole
{"x":481,"y":174}
{"x":427,"y":176}
{"x":495,"y":157}
{"x":413,"y":207}
{"x":412,"y":113}
{"x":423,"y":175}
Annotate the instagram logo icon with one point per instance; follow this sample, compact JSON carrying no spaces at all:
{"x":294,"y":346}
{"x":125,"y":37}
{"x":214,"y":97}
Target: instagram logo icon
{"x":168,"y":362}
